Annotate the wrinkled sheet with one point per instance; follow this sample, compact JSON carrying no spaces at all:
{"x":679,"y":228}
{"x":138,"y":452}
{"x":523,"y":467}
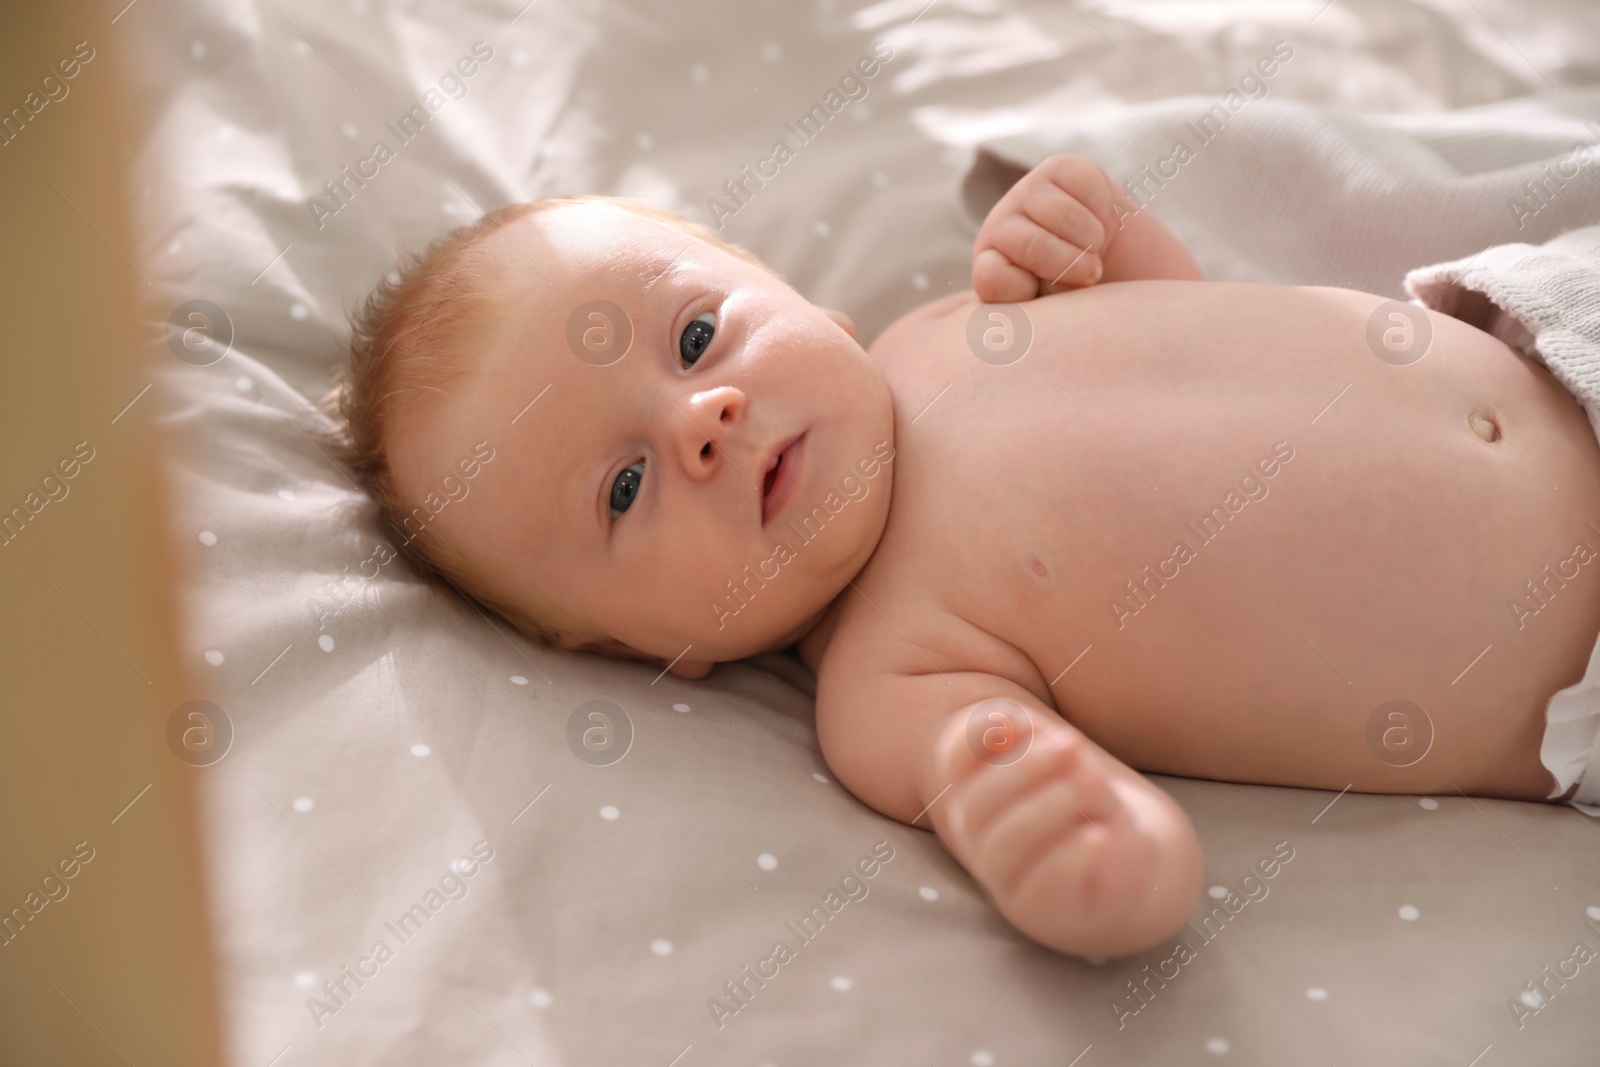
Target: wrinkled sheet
{"x":402,"y":770}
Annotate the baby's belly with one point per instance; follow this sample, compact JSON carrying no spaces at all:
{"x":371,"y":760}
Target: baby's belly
{"x":1234,"y":543}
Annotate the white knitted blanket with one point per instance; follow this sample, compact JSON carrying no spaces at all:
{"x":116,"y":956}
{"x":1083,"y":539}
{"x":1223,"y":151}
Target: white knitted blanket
{"x":1287,"y":192}
{"x":1547,"y":297}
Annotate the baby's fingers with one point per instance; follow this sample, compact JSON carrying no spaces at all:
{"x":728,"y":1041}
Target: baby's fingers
{"x":1058,"y":767}
{"x":1061,"y":213}
{"x":1074,"y":814}
{"x":1056,"y":263}
{"x":997,"y":280}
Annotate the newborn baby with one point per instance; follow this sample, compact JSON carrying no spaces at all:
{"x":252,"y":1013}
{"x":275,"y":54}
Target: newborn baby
{"x":1113,"y":519}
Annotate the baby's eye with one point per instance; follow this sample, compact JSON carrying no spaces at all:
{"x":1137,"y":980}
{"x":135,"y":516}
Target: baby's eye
{"x":696,"y":336}
{"x":625,"y":488}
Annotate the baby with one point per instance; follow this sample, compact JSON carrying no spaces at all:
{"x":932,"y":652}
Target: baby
{"x":1094,"y":517}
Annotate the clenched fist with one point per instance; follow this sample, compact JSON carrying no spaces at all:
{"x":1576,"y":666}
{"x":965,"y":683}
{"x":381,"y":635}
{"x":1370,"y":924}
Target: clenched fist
{"x":1067,"y":225}
{"x":1078,"y":852}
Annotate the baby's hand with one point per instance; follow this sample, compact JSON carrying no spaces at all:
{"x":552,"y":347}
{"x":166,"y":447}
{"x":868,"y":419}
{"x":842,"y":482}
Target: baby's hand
{"x":1076,"y":855}
{"x":1067,"y":225}
{"x":1049,"y":233}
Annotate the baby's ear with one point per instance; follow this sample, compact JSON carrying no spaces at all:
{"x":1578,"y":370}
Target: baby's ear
{"x":692,"y":669}
{"x":842,"y":319}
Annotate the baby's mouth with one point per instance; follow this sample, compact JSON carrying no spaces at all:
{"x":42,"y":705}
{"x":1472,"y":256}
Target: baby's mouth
{"x":782,"y":481}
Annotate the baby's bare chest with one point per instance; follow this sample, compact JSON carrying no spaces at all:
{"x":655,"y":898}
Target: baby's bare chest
{"x":1224,"y":516}
{"x":1029,"y":482}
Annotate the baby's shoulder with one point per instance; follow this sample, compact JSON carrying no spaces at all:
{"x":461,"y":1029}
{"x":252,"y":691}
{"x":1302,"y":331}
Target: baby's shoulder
{"x":883,"y":644}
{"x":917,"y":332}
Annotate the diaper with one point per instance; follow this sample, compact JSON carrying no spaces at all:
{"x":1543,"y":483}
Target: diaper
{"x":1572,"y":719}
{"x":1572,"y":727}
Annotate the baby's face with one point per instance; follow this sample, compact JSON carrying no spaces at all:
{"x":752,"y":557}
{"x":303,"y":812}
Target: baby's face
{"x":621,"y":503}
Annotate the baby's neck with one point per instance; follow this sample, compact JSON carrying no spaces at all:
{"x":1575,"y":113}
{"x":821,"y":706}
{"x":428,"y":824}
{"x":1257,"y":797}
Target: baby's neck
{"x":813,"y":636}
{"x":819,"y":634}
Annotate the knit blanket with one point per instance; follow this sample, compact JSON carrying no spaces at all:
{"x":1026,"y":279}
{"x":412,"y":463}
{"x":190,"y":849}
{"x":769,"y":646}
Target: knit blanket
{"x":1271,"y":191}
{"x":1542,"y":299}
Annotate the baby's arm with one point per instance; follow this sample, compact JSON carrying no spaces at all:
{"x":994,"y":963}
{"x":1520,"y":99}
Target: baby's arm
{"x":1065,"y":225}
{"x":1079,"y":851}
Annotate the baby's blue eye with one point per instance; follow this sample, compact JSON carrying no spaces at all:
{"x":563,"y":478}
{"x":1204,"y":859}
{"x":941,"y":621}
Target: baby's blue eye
{"x":625,"y":488}
{"x":696,"y":336}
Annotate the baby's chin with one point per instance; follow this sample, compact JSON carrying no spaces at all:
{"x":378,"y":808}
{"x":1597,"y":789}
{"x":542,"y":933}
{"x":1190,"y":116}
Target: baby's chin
{"x":733,"y":651}
{"x":773,"y":635}
{"x":735,"y":641}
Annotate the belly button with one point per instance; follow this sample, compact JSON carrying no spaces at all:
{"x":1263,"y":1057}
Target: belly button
{"x":1037,"y":566}
{"x":1483,"y":426}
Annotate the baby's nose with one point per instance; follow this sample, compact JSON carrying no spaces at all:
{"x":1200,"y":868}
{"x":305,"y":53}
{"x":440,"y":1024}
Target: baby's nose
{"x":712,"y":416}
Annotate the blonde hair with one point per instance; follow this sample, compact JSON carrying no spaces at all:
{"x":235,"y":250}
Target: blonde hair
{"x":402,"y":342}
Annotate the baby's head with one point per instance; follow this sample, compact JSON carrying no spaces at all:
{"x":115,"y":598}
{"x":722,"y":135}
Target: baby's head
{"x":571,"y":409}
